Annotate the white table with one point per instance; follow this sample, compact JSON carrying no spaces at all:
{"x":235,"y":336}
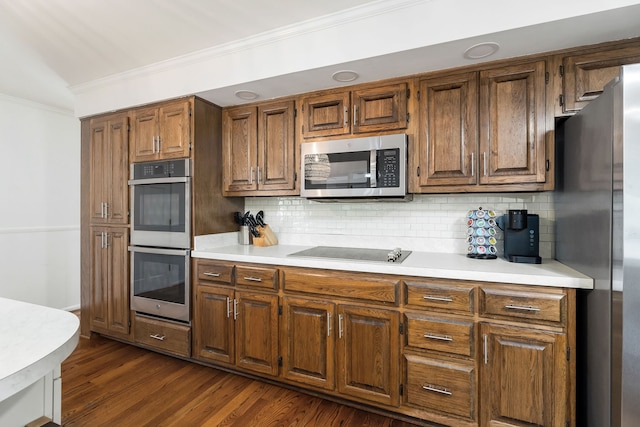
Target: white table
{"x":34,"y":340}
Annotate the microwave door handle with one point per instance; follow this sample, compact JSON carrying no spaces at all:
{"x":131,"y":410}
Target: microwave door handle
{"x":373,"y":169}
{"x":168,"y":180}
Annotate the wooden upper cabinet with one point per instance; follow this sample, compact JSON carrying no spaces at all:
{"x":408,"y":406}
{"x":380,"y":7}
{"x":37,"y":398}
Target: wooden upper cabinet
{"x":584,"y":75}
{"x":512,"y":124}
{"x":258,"y":148}
{"x":109,"y":169}
{"x":523,"y":374}
{"x":161,"y":132}
{"x":364,"y":110}
{"x":448,"y":139}
{"x":239,"y":148}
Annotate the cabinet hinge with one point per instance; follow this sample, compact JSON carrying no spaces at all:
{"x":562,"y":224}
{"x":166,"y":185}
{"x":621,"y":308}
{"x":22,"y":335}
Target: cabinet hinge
{"x":408,"y":93}
{"x":129,"y":323}
{"x":401,"y":328}
{"x":547,"y":165}
{"x":280,"y":310}
{"x":418,"y":170}
{"x":279,"y":360}
{"x":561,"y":70}
{"x":418,"y":95}
{"x":401,"y":389}
{"x":408,"y":117}
{"x":189,"y":146}
{"x":295,"y":112}
{"x":561,"y":100}
{"x":295,"y":176}
{"x":568,"y":353}
{"x":190,"y":112}
{"x":128,"y":128}
{"x":546,"y":77}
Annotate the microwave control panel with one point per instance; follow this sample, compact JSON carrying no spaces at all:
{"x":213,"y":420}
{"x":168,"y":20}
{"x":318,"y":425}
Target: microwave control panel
{"x":388,"y":167}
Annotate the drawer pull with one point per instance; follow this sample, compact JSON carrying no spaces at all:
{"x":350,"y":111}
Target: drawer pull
{"x":436,"y":389}
{"x":438,"y":337}
{"x":520,"y":307}
{"x":206,"y":273}
{"x":434,"y":298}
{"x":157,"y":337}
{"x":253,"y":279}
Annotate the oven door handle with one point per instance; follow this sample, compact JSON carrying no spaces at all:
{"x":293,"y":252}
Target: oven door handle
{"x":160,"y":251}
{"x":170,"y":180}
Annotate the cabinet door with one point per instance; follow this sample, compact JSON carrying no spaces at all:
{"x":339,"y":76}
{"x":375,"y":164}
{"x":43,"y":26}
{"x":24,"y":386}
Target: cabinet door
{"x":308,"y":340}
{"x":276,"y":160}
{"x":109,"y":170}
{"x":379,"y":109}
{"x":585,"y":75}
{"x":174,"y":133}
{"x":117,"y":242}
{"x":448,"y":137}
{"x":257,"y":332}
{"x":110,"y":309}
{"x":523,"y":377}
{"x":368,"y":354}
{"x":239,"y":148}
{"x":326,"y":115}
{"x":512,"y":124}
{"x":144,"y":134}
{"x":213,"y":324}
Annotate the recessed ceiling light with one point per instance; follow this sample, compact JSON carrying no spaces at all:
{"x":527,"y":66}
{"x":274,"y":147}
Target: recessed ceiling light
{"x":247,"y":95}
{"x":481,"y":50}
{"x":345,"y":76}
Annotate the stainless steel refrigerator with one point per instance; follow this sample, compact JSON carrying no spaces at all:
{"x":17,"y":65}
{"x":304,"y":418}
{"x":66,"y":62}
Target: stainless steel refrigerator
{"x":597,"y":202}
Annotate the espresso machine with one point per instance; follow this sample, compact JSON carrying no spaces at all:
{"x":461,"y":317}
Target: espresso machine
{"x":521,"y":236}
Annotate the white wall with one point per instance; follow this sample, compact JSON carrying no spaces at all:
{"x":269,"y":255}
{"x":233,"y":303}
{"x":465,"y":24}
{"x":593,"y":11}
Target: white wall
{"x":39,"y":204}
{"x":430,"y":223}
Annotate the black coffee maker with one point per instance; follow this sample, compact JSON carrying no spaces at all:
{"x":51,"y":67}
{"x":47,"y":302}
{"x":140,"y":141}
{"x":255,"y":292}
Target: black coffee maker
{"x":521,"y":236}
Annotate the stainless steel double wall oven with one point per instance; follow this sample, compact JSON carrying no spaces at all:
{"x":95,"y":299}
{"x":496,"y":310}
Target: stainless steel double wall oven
{"x":161,"y":238}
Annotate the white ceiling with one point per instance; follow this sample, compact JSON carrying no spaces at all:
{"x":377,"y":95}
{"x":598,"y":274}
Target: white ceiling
{"x":51,"y":50}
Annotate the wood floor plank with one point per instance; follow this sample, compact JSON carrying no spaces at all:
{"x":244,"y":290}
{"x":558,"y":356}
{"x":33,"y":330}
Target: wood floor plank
{"x":108,"y":383}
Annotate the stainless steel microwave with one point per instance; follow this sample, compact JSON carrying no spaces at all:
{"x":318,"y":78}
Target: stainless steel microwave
{"x":373,"y":167}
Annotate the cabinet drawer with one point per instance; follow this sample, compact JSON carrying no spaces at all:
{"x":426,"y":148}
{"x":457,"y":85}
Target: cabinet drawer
{"x":167,"y":336}
{"x":258,"y":277}
{"x":534,"y":306}
{"x":342,"y":284}
{"x":444,"y":296}
{"x":440,"y":386}
{"x":440,"y":335}
{"x":207,"y":271}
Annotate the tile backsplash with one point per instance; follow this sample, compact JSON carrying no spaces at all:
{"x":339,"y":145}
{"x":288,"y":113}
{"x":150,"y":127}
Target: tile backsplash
{"x":430,"y":223}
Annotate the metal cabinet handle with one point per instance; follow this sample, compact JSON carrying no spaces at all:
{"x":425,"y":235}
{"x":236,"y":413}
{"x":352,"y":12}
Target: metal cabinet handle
{"x":153,"y":144}
{"x":485,"y":349}
{"x":484,"y":162}
{"x":339,"y":325}
{"x":228,"y":307}
{"x":436,"y":389}
{"x":355,"y":115}
{"x":259,"y":176}
{"x":328,"y":324}
{"x":521,"y":307}
{"x":473,"y":163}
{"x":434,"y":298}
{"x":235,"y":309}
{"x":102,"y":240}
{"x":438,"y":337}
{"x":253,"y":279}
{"x":158,"y":142}
{"x":206,"y":273}
{"x":157,"y":337}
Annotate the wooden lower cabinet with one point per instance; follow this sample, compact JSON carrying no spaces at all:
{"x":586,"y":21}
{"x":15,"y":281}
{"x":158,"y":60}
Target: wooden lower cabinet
{"x":524,"y":377}
{"x":308,"y":341}
{"x":236,"y":327}
{"x":110,"y":312}
{"x":164,"y":335}
{"x":368,"y":354}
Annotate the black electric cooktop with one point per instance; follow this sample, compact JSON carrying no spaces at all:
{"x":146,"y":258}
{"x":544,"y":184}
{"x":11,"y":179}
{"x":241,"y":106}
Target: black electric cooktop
{"x":354,"y":254}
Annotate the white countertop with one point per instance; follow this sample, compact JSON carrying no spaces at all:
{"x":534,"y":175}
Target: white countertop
{"x":421,"y":264}
{"x":34,"y":340}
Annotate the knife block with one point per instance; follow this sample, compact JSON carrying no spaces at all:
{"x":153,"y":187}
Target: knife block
{"x":267,"y":237}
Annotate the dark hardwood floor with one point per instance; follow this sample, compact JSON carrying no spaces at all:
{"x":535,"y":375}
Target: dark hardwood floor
{"x":107,"y":383}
